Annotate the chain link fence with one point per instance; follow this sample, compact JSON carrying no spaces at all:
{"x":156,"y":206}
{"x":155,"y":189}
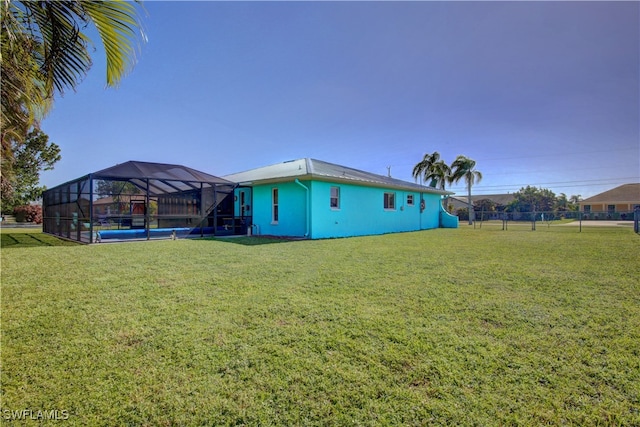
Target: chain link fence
{"x":550,"y":219}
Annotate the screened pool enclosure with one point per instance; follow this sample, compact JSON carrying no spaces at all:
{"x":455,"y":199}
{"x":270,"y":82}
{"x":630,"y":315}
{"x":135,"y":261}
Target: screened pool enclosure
{"x":140,"y":200}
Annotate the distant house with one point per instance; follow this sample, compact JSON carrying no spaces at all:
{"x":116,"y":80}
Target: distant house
{"x":500,"y":201}
{"x":617,"y":203}
{"x":105,"y":205}
{"x":314,"y":199}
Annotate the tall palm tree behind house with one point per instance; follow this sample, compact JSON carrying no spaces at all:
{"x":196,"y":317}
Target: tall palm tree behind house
{"x":464,"y":167}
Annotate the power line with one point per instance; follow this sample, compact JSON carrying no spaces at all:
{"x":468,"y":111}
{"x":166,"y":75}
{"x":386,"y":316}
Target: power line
{"x":479,"y":190}
{"x":582,"y":181}
{"x":553,"y":170}
{"x":554,"y":154}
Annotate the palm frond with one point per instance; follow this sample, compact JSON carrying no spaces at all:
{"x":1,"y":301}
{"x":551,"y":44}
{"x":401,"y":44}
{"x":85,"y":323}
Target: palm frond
{"x":65,"y":58}
{"x":118,"y":25}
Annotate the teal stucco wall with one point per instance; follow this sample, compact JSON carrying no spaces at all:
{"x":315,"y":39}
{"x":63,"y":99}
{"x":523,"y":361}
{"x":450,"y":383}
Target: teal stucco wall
{"x":361,"y":211}
{"x":447,"y":220}
{"x":292,"y":210}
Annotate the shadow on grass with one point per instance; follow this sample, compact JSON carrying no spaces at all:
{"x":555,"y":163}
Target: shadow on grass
{"x":251,"y":241}
{"x":31,"y":240}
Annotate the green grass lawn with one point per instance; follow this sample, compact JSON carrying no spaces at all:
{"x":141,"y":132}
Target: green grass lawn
{"x":442,"y":327}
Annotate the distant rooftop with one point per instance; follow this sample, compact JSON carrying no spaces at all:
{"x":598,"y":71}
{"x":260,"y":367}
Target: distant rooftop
{"x":626,"y":193}
{"x":316,"y":169}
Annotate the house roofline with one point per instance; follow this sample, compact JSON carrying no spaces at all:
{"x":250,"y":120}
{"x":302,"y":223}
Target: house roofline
{"x":314,"y":177}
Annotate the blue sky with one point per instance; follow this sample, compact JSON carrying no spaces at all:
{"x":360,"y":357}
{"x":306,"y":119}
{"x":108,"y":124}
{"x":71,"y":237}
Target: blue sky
{"x":538,"y":93}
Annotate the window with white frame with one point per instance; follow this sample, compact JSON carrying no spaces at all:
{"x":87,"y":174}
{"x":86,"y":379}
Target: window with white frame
{"x":390,"y":201}
{"x":409,"y":199}
{"x":274,"y":205}
{"x":334,"y":200}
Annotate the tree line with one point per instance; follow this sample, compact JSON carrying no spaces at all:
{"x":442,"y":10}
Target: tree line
{"x":527,"y":202}
{"x":436,"y":173}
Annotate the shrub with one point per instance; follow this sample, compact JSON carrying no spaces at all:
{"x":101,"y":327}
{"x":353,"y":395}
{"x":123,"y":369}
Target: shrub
{"x":28,"y":213}
{"x":462,"y":213}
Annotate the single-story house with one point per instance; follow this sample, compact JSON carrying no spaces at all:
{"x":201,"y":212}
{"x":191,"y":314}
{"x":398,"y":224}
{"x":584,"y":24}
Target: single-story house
{"x":314,"y":199}
{"x":617,"y":203}
{"x":303,"y":198}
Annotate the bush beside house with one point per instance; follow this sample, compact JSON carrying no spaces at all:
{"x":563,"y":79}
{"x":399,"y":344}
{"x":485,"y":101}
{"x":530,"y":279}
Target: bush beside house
{"x":28,"y":213}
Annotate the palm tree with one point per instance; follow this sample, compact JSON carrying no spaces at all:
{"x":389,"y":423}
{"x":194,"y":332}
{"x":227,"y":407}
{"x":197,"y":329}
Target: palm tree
{"x":424,"y":166}
{"x":44,"y":50}
{"x":574,"y":202}
{"x":441,"y":173}
{"x":23,"y":99}
{"x":464,"y":167}
{"x":62,"y":53}
{"x":434,"y":169}
{"x":562,"y":202}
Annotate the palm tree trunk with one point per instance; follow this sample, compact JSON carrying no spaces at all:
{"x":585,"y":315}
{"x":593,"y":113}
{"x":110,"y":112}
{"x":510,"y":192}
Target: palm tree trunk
{"x":470,"y":207}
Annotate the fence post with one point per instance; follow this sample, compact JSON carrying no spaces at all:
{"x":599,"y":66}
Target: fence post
{"x":533,"y":222}
{"x":636,"y":219}
{"x":580,"y":216}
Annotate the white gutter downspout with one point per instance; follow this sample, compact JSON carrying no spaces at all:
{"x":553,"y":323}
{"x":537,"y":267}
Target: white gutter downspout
{"x":308,"y":205}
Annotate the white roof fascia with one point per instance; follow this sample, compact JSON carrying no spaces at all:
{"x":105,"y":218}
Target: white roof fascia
{"x":304,"y":169}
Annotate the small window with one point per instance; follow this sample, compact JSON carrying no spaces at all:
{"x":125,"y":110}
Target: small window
{"x":274,"y":210}
{"x":611,"y":209}
{"x":390,"y":201}
{"x":409,"y":199}
{"x":334,"y":200}
{"x":587,"y":208}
